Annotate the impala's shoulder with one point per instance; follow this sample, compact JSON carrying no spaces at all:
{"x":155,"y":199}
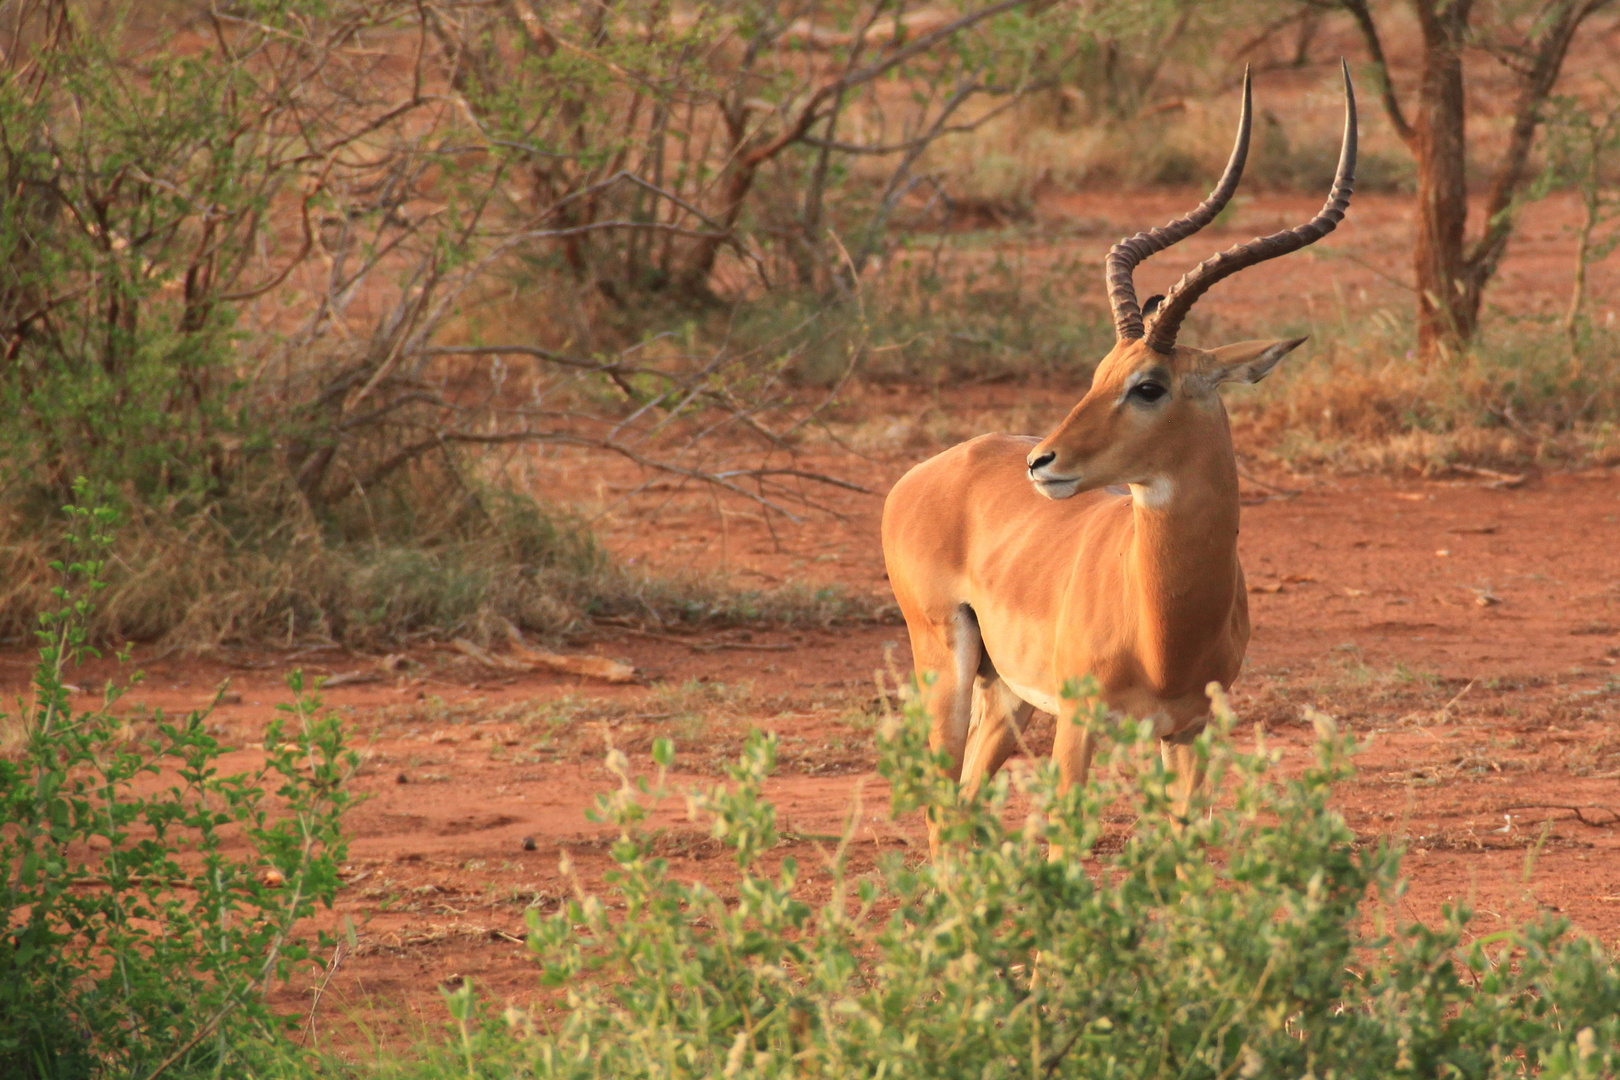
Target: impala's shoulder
{"x":989,"y":449}
{"x":966,"y":463}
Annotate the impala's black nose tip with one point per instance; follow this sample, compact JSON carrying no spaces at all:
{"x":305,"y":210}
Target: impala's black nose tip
{"x":1036,"y":461}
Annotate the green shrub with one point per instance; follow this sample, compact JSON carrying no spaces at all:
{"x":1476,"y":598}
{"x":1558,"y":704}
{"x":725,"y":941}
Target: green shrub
{"x":148,"y":899}
{"x":1260,"y":940}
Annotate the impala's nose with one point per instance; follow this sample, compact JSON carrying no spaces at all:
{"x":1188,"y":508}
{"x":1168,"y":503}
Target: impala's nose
{"x":1037,"y":461}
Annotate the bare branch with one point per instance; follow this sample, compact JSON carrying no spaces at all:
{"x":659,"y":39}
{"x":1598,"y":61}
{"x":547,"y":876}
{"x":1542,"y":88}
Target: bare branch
{"x":1510,"y":176}
{"x":1386,"y":88}
{"x":811,"y":111}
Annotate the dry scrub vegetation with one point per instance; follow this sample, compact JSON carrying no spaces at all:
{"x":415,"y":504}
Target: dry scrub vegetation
{"x":297,"y":285}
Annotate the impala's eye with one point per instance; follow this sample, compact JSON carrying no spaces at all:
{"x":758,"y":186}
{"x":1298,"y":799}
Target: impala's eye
{"x":1148,"y":391}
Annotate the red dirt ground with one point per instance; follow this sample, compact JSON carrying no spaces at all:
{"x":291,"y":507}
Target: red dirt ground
{"x":1467,"y":710}
{"x":1468,"y":633}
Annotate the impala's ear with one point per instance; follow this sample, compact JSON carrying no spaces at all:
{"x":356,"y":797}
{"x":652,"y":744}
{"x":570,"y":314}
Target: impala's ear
{"x":1245,"y":362}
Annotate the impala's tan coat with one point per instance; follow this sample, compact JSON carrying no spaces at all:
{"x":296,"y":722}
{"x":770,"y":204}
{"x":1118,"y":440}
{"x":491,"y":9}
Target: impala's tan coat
{"x":1108,"y":548}
{"x":1009,"y":588}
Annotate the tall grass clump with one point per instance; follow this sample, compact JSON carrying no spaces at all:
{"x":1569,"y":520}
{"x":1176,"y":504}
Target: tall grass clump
{"x":1260,"y":938}
{"x":149,"y":899}
{"x":1362,"y":401}
{"x":964,"y":308}
{"x":204,"y":579}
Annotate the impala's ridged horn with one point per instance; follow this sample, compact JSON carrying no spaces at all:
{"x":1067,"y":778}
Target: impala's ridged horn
{"x":1124,"y":256}
{"x":1167,"y":320}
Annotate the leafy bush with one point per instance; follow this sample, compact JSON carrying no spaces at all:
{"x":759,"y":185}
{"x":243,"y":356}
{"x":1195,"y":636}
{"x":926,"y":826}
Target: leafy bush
{"x":149,"y":900}
{"x":134,"y":196}
{"x":259,"y":275}
{"x":1259,"y":940}
{"x":210,"y":293}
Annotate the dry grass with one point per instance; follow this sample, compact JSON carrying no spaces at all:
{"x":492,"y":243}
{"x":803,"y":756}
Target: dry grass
{"x":1364,"y":404}
{"x":709,"y":721}
{"x":275,"y":576}
{"x":980,"y":308}
{"x":1043,"y":145}
{"x":948,"y":307}
{"x":968,"y":307}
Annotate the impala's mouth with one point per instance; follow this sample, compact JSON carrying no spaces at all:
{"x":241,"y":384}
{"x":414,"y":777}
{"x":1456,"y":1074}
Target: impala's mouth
{"x":1054,"y":487}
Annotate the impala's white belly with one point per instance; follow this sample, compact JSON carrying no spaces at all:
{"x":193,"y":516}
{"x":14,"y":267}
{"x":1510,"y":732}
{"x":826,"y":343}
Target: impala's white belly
{"x":1163,"y":723}
{"x":1047,"y":703}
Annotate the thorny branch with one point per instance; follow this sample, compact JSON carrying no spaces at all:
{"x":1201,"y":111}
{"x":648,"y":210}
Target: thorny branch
{"x":558,"y":180}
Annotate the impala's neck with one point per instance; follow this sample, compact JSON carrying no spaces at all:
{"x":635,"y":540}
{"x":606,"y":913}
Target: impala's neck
{"x":1184,"y":568}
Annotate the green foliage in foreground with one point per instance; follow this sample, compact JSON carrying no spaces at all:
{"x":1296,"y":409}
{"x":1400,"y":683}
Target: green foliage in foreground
{"x":148,"y":900}
{"x":1260,"y":941}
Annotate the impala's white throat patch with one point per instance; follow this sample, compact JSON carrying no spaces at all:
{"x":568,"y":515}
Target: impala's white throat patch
{"x":1153,"y":495}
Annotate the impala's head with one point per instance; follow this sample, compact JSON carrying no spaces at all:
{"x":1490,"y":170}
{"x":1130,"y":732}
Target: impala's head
{"x":1152,"y":401}
{"x":1144,"y":411}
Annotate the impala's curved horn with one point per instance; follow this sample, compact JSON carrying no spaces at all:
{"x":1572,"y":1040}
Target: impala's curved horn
{"x":1124,"y":256}
{"x":1185,"y":293}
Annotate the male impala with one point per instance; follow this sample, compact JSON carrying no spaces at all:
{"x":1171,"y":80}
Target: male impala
{"x":1016,"y":569}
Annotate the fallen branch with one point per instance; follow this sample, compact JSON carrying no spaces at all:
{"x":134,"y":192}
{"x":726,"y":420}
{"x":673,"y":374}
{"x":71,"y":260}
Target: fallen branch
{"x":1578,"y":811}
{"x":526,"y":659}
{"x":1281,"y":492}
{"x":591,"y":667}
{"x":1499,"y":479}
{"x":351,"y":678}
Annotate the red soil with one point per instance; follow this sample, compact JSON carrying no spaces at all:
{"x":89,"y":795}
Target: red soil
{"x":1468,"y":710}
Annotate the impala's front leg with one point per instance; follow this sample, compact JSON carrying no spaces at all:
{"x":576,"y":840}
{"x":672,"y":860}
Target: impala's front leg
{"x":1072,"y":746}
{"x":1179,"y":753}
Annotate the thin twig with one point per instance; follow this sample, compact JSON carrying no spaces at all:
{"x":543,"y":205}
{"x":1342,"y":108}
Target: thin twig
{"x":191,"y":1043}
{"x":1614,"y":815}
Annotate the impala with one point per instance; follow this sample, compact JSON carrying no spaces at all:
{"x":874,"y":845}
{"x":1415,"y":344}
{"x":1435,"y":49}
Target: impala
{"x":1107,"y":548}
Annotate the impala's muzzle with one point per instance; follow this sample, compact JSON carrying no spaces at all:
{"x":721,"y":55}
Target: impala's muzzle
{"x":1047,"y":482}
{"x":1057,"y":489}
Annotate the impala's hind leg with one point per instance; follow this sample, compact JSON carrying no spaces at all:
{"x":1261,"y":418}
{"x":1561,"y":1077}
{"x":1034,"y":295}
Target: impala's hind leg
{"x":946,"y":656}
{"x":949,"y":653}
{"x":999,"y":717}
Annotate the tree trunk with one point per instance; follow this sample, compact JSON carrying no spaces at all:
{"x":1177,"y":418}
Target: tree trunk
{"x":1450,"y":279}
{"x":1448,"y":308}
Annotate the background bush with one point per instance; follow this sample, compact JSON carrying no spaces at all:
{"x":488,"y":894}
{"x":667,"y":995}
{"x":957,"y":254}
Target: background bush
{"x":288,"y":277}
{"x":304,"y":280}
